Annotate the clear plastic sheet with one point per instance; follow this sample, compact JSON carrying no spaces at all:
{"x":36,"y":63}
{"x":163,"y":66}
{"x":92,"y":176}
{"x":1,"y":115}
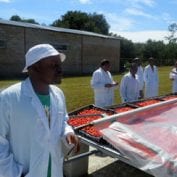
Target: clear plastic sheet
{"x":148,"y":139}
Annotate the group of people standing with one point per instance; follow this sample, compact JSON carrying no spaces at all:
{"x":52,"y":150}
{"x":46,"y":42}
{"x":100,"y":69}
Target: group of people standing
{"x":138,"y":83}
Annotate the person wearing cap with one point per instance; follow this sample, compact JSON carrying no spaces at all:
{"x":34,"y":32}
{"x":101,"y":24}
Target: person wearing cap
{"x":129,"y":86}
{"x":103,"y":85}
{"x":33,"y":119}
{"x":151,"y":79}
{"x":173,"y":78}
{"x":140,"y":75}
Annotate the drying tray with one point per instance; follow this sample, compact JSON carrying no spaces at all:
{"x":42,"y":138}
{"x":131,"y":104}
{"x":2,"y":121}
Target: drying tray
{"x":149,"y":101}
{"x":122,"y":107}
{"x":89,"y":107}
{"x":168,"y":96}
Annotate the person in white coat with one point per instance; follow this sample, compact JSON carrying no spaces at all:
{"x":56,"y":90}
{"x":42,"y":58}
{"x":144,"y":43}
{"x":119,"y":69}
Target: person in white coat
{"x":151,"y":79}
{"x":173,"y":78}
{"x":33,"y":119}
{"x":140,"y":75}
{"x":129,"y":86}
{"x":103,"y":85}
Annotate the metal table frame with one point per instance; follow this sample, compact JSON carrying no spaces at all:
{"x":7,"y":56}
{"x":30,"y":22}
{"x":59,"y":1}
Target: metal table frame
{"x":105,"y":149}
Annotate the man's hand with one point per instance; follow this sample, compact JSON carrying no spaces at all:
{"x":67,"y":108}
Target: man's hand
{"x":71,"y":138}
{"x":111,"y":85}
{"x":115,"y":84}
{"x":108,"y":85}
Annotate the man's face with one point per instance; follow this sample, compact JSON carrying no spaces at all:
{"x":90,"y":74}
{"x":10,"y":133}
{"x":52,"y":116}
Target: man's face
{"x":49,"y":70}
{"x":107,"y":67}
{"x":134,"y":69}
{"x":176,"y":64}
{"x":138,"y":62}
{"x":151,"y":61}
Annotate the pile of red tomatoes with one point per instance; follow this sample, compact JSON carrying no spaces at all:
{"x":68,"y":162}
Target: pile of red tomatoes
{"x":123,"y":109}
{"x":169,"y":97}
{"x":88,"y":116}
{"x":147,"y":103}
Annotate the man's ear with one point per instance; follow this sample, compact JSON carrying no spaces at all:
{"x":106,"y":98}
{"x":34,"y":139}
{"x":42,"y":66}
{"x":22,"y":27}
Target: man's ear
{"x":35,"y":68}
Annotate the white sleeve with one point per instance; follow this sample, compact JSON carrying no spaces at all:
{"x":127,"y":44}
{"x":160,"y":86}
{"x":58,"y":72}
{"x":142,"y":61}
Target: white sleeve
{"x":157,"y":76}
{"x":123,"y":88}
{"x":66,"y":127}
{"x":145,"y":75}
{"x":141,"y":79}
{"x":8,"y":166}
{"x":96,"y":81}
{"x":172,"y":75}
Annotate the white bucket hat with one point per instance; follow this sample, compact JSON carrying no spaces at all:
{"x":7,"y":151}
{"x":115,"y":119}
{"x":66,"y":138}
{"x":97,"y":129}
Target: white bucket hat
{"x":39,"y":52}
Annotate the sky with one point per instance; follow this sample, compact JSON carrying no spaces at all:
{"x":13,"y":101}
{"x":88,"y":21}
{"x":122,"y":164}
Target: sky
{"x":136,"y":20}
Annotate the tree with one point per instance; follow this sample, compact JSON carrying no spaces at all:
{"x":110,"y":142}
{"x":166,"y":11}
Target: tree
{"x":15,"y":18}
{"x":152,"y":49}
{"x":73,"y":20}
{"x":30,"y":20}
{"x":83,"y":21}
{"x":127,"y":50}
{"x":172,"y":29}
{"x":171,"y":53}
{"x":139,"y":48}
{"x":100,"y":23}
{"x":19,"y":19}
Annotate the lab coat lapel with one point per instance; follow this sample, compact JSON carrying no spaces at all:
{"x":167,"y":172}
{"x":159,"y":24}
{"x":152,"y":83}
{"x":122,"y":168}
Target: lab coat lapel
{"x":28,"y":91}
{"x":53,"y":108}
{"x":40,"y":110}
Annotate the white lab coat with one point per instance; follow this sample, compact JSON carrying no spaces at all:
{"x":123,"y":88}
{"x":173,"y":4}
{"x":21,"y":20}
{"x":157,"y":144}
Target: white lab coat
{"x":151,"y":81}
{"x":174,"y":81}
{"x":140,"y":76}
{"x":25,"y":138}
{"x":103,"y":96}
{"x":129,"y":88}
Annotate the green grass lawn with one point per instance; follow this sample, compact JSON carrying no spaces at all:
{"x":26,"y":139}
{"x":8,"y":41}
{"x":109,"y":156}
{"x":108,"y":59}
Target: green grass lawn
{"x":78,"y":92}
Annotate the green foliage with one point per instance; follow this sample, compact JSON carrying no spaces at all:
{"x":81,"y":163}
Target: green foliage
{"x":165,"y":54}
{"x":127,"y":48}
{"x":83,"y":21}
{"x":172,"y":29}
{"x":15,"y":18}
{"x":19,"y":19}
{"x":155,"y":49}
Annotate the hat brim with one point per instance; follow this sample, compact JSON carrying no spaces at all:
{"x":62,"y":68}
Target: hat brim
{"x":62,"y":58}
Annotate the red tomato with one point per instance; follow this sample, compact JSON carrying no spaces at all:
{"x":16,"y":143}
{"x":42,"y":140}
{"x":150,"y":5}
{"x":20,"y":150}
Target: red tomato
{"x":123,"y":109}
{"x":91,"y":130}
{"x":93,"y":111}
{"x":147,"y":102}
{"x":77,"y":121}
{"x":169,"y":97}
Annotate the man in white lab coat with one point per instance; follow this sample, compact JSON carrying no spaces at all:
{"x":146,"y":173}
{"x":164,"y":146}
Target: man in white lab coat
{"x":103,"y":85}
{"x":129,"y":86}
{"x":151,"y":79}
{"x":140,"y":75}
{"x":173,"y":78}
{"x":33,"y":119}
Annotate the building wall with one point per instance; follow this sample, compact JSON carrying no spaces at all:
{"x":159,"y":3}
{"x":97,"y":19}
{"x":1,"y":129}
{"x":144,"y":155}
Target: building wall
{"x":72,"y":43}
{"x":83,"y":52}
{"x":12,"y":53}
{"x":95,"y":49}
